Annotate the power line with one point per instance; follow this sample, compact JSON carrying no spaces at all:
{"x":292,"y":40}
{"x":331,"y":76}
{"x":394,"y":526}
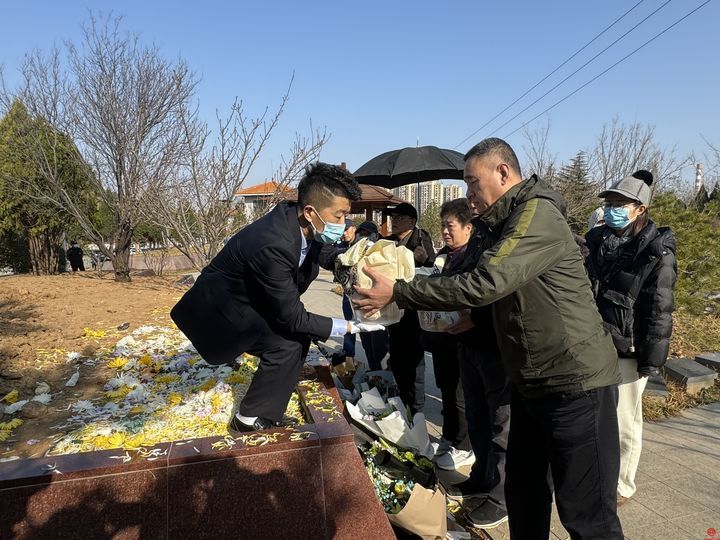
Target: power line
{"x":581,"y":67}
{"x":581,"y":49}
{"x":608,"y":69}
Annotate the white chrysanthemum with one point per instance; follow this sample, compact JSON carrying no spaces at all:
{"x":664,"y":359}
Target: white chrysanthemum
{"x":43,"y":398}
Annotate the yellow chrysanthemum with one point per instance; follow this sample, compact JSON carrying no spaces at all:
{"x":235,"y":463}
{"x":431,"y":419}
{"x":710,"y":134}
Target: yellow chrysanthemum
{"x":137,"y":409}
{"x":117,"y":439}
{"x":145,"y":360}
{"x":119,"y":393}
{"x":10,"y":397}
{"x":207,"y":385}
{"x":117,"y":363}
{"x":90,"y":333}
{"x":194,"y":360}
{"x":135,"y":441}
{"x":12,"y":424}
{"x":174,"y":398}
{"x":166,"y":379}
{"x":236,"y":377}
{"x":215,"y":401}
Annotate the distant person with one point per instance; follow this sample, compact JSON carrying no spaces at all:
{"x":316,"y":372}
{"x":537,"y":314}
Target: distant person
{"x":248,"y":298}
{"x":407,"y":356}
{"x":348,"y":349}
{"x":75,"y":256}
{"x":633,"y":271}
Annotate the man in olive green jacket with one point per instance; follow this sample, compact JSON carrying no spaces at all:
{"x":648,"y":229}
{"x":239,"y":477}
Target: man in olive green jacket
{"x":561,"y":361}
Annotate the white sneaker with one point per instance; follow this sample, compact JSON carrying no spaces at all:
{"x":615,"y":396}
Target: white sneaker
{"x":453,"y":459}
{"x":442,"y":448}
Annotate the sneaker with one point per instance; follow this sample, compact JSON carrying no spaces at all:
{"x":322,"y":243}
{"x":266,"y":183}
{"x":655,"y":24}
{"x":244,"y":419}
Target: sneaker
{"x":453,"y":459}
{"x":467,"y":489}
{"x":442,"y":448}
{"x":488,"y":515}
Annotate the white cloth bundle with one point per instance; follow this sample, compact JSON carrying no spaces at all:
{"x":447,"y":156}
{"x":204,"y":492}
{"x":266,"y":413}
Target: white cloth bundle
{"x":392,"y":261}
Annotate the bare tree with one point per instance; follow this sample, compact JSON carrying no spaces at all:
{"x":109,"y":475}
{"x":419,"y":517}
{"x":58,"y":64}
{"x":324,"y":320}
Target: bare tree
{"x":621,"y":149}
{"x":196,"y":204}
{"x":122,"y":104}
{"x":538,"y":159}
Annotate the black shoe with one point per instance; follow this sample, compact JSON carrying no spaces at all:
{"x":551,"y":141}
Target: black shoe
{"x":488,"y":515}
{"x":467,"y":489}
{"x":236,"y":425}
{"x":287,"y":421}
{"x":338,"y":358}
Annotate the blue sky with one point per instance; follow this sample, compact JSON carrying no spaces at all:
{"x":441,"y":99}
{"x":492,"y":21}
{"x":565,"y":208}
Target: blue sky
{"x":381,"y":74}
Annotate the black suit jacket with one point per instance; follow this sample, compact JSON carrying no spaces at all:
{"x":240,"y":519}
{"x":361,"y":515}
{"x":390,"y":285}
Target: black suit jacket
{"x":252,"y":288}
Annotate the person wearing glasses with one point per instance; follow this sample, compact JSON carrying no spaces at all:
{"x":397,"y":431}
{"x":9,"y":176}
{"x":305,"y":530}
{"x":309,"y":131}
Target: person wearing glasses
{"x":632,"y":268}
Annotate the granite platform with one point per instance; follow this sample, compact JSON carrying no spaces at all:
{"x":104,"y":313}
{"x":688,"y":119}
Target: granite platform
{"x":307,"y":482}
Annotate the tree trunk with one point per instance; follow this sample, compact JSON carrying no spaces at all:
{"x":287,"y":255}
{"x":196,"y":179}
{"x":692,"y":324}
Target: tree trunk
{"x":121,"y":258}
{"x":46,"y":254}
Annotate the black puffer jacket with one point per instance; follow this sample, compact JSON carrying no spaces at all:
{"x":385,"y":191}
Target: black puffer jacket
{"x":634,"y":291}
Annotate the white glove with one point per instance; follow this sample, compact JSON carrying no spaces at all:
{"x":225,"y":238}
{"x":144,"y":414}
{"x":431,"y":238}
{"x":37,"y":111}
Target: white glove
{"x":356,"y":327}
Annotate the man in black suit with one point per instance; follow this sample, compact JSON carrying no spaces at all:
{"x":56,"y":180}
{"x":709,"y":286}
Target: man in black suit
{"x":248,"y":298}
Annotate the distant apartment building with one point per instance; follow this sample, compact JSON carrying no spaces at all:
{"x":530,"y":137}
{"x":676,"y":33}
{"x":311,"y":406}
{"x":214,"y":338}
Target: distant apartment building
{"x":421,"y":195}
{"x":452,"y":192}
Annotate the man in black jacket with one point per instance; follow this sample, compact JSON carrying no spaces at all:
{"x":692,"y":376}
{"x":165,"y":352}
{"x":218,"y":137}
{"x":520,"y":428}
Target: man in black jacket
{"x":407,"y":354}
{"x":248,"y":298}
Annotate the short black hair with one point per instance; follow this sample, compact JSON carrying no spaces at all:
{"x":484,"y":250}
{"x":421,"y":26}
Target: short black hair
{"x":457,"y":208}
{"x":496,"y":146}
{"x":323,"y":181}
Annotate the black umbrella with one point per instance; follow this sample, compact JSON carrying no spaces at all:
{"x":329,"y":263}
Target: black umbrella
{"x":410,"y":165}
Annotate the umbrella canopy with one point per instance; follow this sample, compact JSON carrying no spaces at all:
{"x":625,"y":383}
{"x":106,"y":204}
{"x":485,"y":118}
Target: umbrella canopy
{"x":410,"y":165}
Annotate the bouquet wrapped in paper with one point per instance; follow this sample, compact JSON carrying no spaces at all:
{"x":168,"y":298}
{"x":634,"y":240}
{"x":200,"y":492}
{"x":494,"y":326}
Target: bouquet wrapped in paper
{"x":389,"y":420}
{"x":404,"y":483}
{"x":392,"y":261}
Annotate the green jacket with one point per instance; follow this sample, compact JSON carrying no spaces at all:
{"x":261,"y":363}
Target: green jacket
{"x":549,"y":331}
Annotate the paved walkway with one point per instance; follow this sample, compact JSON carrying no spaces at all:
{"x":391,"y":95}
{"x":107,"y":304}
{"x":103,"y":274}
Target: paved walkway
{"x":678,"y":480}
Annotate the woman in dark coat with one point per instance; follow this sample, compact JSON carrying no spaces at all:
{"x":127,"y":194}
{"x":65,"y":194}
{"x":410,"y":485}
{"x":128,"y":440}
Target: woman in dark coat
{"x":631,"y":264}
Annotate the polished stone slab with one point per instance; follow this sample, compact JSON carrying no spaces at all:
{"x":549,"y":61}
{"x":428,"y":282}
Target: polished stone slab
{"x":308,"y":482}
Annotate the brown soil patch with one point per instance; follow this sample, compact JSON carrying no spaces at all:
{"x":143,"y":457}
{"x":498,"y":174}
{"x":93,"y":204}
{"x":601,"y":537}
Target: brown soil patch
{"x":43,"y":318}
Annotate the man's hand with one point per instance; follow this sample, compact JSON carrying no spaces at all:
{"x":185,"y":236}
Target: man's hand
{"x":421,"y":255}
{"x":377,"y":297}
{"x":356,"y":326}
{"x":463,"y":325}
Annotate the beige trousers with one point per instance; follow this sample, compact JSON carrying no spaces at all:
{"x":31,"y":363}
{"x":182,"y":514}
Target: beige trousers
{"x":630,"y":423}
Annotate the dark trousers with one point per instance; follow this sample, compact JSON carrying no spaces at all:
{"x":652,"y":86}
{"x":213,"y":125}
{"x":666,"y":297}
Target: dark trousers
{"x":446,"y":367}
{"x":487,"y":410}
{"x":281,"y":360}
{"x":576,"y":436}
{"x":407,"y":360}
{"x":349,"y":339}
{"x":376,"y":347}
{"x":77,"y":264}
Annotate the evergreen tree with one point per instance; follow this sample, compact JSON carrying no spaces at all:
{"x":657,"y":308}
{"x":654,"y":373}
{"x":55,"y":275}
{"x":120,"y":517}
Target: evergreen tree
{"x":32,"y":231}
{"x":579,"y":191}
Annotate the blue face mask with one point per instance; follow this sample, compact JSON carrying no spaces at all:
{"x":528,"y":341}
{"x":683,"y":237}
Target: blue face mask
{"x":617,"y":218}
{"x":331,"y":233}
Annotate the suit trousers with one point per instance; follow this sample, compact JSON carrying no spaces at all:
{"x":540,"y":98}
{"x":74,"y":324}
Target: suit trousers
{"x":487,"y":410}
{"x":575,"y":435}
{"x":407,"y":360}
{"x":281,"y":361}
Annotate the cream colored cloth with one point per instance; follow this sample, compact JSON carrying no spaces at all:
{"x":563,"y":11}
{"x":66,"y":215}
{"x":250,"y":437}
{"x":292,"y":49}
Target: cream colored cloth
{"x":394,"y":262}
{"x":630,"y":424}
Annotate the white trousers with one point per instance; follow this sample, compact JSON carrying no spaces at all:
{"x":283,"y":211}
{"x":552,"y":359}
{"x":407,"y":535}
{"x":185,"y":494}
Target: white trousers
{"x":630,"y":423}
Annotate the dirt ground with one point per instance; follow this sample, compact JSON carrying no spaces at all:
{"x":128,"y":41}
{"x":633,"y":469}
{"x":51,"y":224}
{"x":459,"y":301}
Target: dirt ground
{"x":42,"y":319}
